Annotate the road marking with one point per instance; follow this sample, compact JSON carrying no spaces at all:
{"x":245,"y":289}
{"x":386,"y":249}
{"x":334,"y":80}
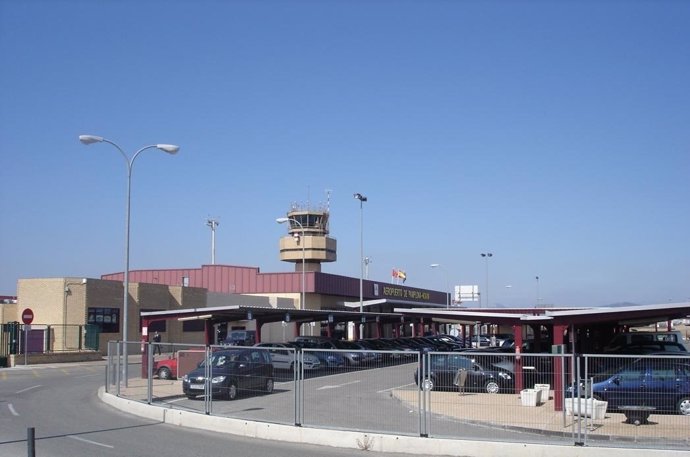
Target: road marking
{"x":27,"y":389}
{"x":84,"y":440}
{"x":395,"y":388}
{"x":87,"y":376}
{"x":337,"y":386}
{"x":12,"y":410}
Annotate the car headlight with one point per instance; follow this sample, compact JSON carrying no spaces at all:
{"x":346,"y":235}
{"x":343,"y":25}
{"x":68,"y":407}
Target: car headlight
{"x":504,"y":375}
{"x":185,"y":378}
{"x":218,"y":379}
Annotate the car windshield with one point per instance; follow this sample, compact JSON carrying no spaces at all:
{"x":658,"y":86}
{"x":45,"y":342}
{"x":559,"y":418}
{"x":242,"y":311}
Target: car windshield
{"x":221,"y":360}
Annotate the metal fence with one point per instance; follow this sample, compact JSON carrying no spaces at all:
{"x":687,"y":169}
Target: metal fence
{"x":635,"y":401}
{"x":18,"y":338}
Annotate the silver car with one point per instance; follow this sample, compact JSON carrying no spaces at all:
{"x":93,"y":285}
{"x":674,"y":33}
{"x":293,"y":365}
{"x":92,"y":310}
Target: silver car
{"x":285,"y":356}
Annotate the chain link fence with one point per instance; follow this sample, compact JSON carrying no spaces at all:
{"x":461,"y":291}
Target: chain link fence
{"x":618,"y":401}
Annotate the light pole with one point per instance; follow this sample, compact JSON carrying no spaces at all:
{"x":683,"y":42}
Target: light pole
{"x":367,"y":261}
{"x":170,"y":149}
{"x":486,"y":256}
{"x":361,"y":199}
{"x":438,"y":265}
{"x":282,"y":220}
{"x":213,"y":223}
{"x":537,"y":278}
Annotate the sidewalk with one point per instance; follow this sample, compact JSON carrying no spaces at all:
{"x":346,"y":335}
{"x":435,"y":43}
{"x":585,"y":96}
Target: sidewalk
{"x":506,"y":410}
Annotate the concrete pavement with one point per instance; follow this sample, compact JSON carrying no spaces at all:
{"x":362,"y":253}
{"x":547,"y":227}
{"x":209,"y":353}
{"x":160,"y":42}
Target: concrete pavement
{"x":498,"y":410}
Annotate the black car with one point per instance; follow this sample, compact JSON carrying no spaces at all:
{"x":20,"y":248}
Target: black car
{"x":232,"y":371}
{"x":445,"y":367}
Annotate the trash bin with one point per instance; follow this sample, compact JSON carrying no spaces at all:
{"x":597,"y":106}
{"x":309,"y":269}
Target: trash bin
{"x":530,"y":397}
{"x":459,"y":379}
{"x":545,"y":391}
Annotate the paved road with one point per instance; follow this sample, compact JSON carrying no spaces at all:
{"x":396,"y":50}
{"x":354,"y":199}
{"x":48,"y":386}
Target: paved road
{"x":60,"y":402}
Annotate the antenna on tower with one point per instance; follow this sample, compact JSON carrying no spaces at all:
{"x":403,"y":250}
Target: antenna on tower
{"x":328,"y":200}
{"x":213,"y":223}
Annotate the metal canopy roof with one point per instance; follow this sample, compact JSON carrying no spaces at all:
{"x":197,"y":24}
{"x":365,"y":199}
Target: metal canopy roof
{"x":267,"y":314}
{"x":624,"y":315}
{"x":628,"y":315}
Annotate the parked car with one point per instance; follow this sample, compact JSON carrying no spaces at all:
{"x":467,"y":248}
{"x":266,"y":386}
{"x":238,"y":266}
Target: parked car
{"x":284,"y":356}
{"x":660,"y":383}
{"x":444,"y":367}
{"x":606,"y":363}
{"x":165,"y":368}
{"x":327,"y":359}
{"x":650,"y":347}
{"x":183,"y":361}
{"x":477,"y":341}
{"x":232,"y":371}
{"x":240,"y":338}
{"x":349,"y":352}
{"x":642,"y":338}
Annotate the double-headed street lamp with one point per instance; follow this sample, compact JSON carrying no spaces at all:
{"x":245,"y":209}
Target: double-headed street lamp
{"x":282,"y":220}
{"x":486,"y":256}
{"x":361,"y":199}
{"x":170,"y":149}
{"x":438,"y":265}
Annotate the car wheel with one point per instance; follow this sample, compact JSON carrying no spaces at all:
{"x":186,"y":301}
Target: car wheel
{"x":164,"y":373}
{"x":492,"y":387}
{"x":427,"y":384}
{"x":269,"y":385}
{"x":684,"y":406}
{"x":232,"y":390}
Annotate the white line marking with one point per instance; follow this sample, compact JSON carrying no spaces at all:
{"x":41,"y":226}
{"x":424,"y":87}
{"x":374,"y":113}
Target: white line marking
{"x":78,"y":438}
{"x":337,"y":386}
{"x":395,"y":388}
{"x":12,"y":410}
{"x":27,"y":389}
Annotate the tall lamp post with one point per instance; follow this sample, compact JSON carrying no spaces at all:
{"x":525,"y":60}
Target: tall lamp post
{"x":361,"y":199}
{"x":282,"y":220}
{"x":486,"y":256}
{"x":170,"y":149}
{"x":213,"y":223}
{"x":438,"y":265}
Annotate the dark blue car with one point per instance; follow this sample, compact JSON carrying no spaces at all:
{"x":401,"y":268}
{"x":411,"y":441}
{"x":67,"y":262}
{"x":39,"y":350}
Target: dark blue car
{"x":662,"y":383}
{"x":232,"y":370}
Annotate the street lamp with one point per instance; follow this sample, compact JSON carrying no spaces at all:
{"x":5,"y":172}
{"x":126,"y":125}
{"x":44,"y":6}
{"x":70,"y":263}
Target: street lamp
{"x":213,"y":223}
{"x":282,"y":220}
{"x":486,"y":255}
{"x":361,"y":199}
{"x":438,"y":265}
{"x":170,"y":149}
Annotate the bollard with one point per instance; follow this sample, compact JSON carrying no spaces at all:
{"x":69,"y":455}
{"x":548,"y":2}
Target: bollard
{"x":31,"y":441}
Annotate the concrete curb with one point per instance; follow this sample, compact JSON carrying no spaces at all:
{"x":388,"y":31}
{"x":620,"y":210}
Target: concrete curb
{"x":368,"y":441}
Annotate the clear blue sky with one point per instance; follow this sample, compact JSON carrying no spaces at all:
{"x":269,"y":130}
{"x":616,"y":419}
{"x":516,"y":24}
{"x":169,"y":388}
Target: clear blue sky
{"x":555,"y":135}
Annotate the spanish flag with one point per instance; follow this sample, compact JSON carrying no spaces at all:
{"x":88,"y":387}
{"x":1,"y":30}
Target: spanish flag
{"x":402,"y":275}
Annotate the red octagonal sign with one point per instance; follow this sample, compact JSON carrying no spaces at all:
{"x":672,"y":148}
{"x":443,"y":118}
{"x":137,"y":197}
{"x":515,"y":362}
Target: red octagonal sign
{"x":27,"y":316}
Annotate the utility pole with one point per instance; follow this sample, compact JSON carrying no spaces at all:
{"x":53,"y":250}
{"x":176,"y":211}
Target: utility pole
{"x":213,"y":223}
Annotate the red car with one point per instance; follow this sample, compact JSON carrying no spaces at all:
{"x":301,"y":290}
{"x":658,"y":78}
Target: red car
{"x":186,"y":361}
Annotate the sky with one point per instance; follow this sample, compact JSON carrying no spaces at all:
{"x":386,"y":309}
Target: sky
{"x":553,"y":134}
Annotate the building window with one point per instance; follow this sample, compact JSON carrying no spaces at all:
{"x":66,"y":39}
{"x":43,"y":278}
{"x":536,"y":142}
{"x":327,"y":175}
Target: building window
{"x":193,"y":326}
{"x":108,"y":319}
{"x":155,"y":326}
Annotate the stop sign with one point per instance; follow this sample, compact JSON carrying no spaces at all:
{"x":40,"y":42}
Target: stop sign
{"x":27,"y":316}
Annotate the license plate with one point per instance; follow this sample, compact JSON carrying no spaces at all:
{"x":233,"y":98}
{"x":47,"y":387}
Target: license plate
{"x":196,"y":386}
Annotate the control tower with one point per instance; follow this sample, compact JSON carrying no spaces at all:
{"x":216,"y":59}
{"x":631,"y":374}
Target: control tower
{"x":307,"y":240}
